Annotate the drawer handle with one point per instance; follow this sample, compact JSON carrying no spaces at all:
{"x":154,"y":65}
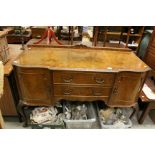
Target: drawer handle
{"x":67,"y":79}
{"x":97,"y":93}
{"x":115,"y":91}
{"x":99,"y":80}
{"x":67,"y":92}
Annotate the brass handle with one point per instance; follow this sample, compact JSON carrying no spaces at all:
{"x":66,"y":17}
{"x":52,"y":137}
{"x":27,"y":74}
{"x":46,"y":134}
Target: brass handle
{"x":45,"y":78}
{"x":115,"y":90}
{"x":97,"y":93}
{"x":99,"y":80}
{"x":67,"y":92}
{"x":67,"y":79}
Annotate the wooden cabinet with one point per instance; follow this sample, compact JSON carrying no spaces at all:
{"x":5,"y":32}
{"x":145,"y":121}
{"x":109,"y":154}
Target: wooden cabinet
{"x":38,"y":31}
{"x":35,"y":85}
{"x":45,"y":75}
{"x":126,"y":88}
{"x":17,"y":35}
{"x":7,"y":101}
{"x":10,"y":96}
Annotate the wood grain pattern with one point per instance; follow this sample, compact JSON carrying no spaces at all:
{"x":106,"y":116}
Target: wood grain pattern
{"x":93,"y":78}
{"x":149,"y":57}
{"x":126,"y":88}
{"x":34,"y":85}
{"x":83,"y":59}
{"x":7,"y":104}
{"x":74,"y":90}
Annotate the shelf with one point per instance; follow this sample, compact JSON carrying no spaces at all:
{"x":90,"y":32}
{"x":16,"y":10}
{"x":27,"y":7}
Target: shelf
{"x":122,"y":34}
{"x":115,"y":45}
{"x":132,"y":45}
{"x":116,"y":33}
{"x":135,"y":35}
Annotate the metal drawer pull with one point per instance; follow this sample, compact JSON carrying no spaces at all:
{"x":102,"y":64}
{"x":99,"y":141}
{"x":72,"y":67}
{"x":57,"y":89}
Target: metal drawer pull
{"x":67,"y":92}
{"x":67,"y":79}
{"x":99,"y":80}
{"x":115,"y":90}
{"x":97,"y":93}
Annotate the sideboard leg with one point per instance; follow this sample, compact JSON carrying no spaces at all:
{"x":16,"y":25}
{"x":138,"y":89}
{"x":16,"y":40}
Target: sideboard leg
{"x":144,"y":114}
{"x":19,"y":117}
{"x":21,"y":110}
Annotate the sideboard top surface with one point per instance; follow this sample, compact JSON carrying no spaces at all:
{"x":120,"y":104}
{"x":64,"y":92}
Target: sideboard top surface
{"x":80,"y":59}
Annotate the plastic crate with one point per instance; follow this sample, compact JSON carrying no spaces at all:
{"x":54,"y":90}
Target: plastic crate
{"x":82,"y":124}
{"x":51,"y":125}
{"x":105,"y":126}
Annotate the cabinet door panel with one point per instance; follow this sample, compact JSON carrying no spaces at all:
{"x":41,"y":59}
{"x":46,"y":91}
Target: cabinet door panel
{"x":126,"y":88}
{"x":7,"y":104}
{"x":35,"y":86}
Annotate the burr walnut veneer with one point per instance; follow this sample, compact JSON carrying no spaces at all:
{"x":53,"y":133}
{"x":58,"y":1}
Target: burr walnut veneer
{"x":45,"y":75}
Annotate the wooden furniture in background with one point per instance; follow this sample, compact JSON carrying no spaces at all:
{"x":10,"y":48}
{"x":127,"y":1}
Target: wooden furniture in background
{"x":10,"y":97}
{"x":149,"y":57}
{"x":14,"y":37}
{"x":68,"y":34}
{"x":4,"y":49}
{"x":119,"y":36}
{"x":45,"y":75}
{"x":149,"y":104}
{"x":38,"y":31}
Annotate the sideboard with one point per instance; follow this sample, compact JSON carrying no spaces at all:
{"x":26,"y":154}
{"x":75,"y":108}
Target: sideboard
{"x":45,"y":75}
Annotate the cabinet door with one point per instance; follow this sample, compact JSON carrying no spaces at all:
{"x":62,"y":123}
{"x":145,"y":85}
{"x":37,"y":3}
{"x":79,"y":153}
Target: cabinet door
{"x":35,"y":86}
{"x":126,"y":89}
{"x":7,"y":102}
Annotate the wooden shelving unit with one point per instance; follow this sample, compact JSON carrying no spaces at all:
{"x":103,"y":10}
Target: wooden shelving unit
{"x":119,"y":36}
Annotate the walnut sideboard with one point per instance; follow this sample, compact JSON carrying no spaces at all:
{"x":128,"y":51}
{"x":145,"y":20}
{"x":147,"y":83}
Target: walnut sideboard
{"x":45,"y":75}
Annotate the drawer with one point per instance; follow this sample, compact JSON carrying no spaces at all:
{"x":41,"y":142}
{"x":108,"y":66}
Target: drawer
{"x":67,"y":90}
{"x":105,"y":79}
